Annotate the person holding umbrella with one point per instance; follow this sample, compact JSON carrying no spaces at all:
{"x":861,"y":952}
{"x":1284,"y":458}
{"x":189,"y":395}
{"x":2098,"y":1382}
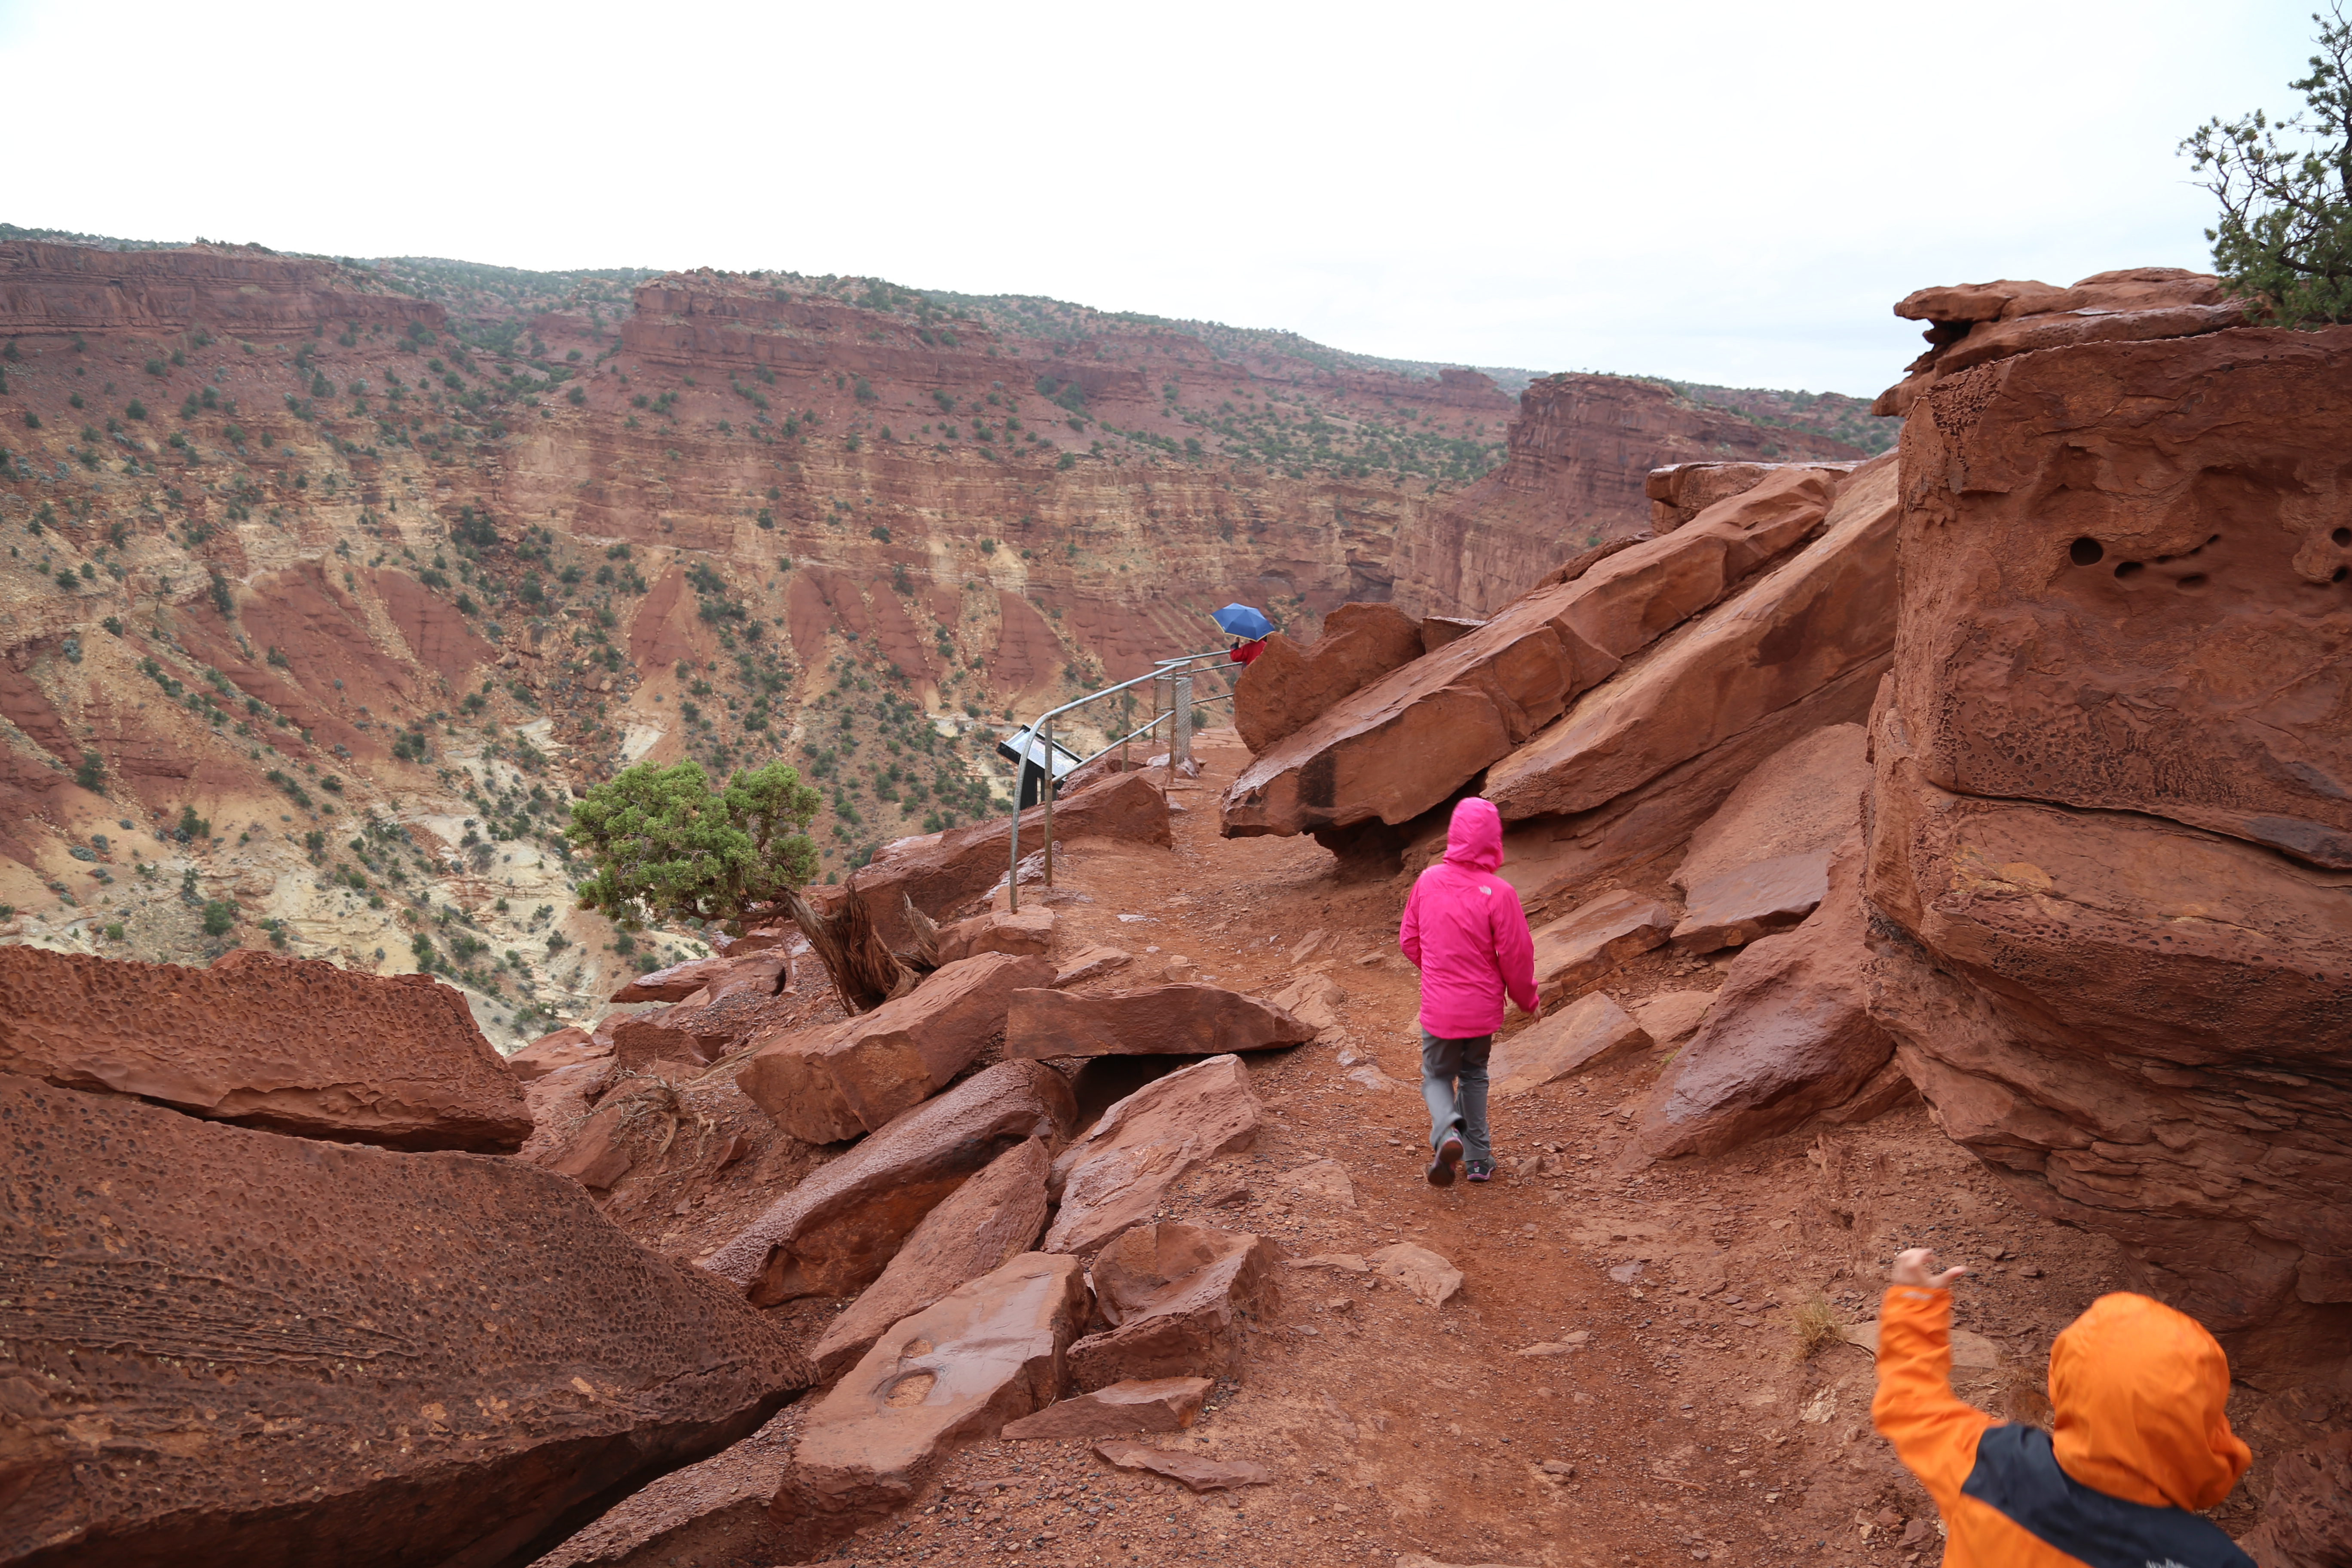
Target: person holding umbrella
{"x":1249,"y":629}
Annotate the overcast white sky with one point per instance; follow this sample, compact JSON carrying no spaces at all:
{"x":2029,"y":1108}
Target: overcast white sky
{"x":1731,"y":193}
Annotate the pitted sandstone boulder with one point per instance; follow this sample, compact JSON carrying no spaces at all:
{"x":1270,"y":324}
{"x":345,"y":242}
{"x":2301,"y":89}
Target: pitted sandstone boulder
{"x":457,"y":1357}
{"x":291,"y":1044}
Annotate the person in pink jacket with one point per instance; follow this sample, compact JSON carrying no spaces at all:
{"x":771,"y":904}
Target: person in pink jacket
{"x":1465,"y":931}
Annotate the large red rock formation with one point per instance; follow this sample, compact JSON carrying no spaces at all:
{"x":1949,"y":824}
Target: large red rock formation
{"x":493,"y":1361}
{"x":2107,"y":830}
{"x":53,"y":288}
{"x":1288,"y":685}
{"x":288,"y":1044}
{"x":1581,"y":453}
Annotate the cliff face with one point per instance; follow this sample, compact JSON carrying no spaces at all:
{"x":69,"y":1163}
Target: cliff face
{"x":1578,"y":452}
{"x":233,"y":290}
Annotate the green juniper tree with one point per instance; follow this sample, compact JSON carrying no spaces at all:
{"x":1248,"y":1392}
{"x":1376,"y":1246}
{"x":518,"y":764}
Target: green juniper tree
{"x":665,"y":846}
{"x":2284,"y":237}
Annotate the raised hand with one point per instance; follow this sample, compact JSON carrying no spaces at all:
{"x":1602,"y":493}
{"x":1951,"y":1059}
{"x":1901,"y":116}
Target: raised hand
{"x":1918,"y":1267}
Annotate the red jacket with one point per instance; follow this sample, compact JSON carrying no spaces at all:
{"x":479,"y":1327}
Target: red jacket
{"x":1465,"y":931}
{"x":1247,"y":652}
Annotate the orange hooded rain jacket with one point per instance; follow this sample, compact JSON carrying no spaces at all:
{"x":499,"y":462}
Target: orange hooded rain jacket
{"x":2140,"y":1440}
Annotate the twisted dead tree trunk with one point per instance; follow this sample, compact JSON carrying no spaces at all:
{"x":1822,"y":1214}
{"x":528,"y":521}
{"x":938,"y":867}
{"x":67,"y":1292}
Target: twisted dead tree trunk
{"x":865,"y":973}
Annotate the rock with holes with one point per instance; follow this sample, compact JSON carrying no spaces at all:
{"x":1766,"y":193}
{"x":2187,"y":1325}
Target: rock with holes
{"x":1587,"y":1033}
{"x":1289,"y":685}
{"x":1573,"y":953}
{"x":1158,"y":1020}
{"x":1114,"y":1410}
{"x":1179,"y":1298}
{"x":987,"y":1352}
{"x":1789,"y":1034}
{"x":835,"y":1233}
{"x":1118,"y":1173}
{"x":827,"y":1084}
{"x":1030,"y":931}
{"x":454,"y":1354}
{"x":295,"y":1045}
{"x":981,"y":1226}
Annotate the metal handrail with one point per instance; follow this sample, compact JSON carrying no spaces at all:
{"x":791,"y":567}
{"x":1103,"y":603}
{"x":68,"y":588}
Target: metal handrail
{"x":1178,"y":715}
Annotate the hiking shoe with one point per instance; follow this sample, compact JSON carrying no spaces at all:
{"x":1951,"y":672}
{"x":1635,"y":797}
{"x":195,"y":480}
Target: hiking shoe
{"x":1479,"y":1169}
{"x":1449,"y":1155}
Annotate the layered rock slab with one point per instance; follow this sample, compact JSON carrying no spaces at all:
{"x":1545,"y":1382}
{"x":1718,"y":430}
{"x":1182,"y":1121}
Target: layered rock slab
{"x":981,"y":1226}
{"x":2140,"y":1025}
{"x":1818,"y":617}
{"x":1118,"y":1173}
{"x":1029,"y":931}
{"x":1572,"y":953}
{"x":1179,"y":1298}
{"x":1158,"y":1020}
{"x":1737,"y":907}
{"x":825,"y":1085}
{"x":1805,"y":798}
{"x":492,"y":1359}
{"x":836,"y":1233}
{"x":1789,"y":1034}
{"x":291,"y":1044}
{"x":1289,"y":686}
{"x":989,"y":1352}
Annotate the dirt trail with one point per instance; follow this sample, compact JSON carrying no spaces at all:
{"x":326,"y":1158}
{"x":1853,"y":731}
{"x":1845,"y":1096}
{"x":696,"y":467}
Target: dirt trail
{"x":1681,"y":1423}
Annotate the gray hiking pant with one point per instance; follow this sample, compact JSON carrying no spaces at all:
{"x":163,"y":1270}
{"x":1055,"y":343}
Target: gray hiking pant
{"x":1454,"y":1084}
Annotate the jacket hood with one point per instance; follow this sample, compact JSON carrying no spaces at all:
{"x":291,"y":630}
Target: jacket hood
{"x":2140,"y":1394}
{"x":1474,"y":840}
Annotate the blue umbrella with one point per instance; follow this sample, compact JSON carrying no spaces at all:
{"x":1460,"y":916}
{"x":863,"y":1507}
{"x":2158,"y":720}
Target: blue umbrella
{"x":1241,"y":621}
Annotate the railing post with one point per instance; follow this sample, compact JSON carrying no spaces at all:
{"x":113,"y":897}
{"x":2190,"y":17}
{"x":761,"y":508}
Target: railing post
{"x":1048,"y":787}
{"x":1180,"y":747}
{"x":1012,"y":877}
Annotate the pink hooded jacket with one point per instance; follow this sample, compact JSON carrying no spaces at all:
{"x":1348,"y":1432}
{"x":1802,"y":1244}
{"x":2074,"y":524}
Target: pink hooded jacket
{"x":1465,"y":932}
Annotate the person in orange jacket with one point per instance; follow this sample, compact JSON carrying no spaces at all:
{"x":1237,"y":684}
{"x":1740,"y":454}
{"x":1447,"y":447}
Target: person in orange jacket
{"x":2140,"y":1439}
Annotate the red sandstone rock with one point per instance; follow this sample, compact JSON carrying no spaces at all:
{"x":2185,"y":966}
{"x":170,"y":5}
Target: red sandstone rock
{"x":1820,"y":617}
{"x":291,"y":1044}
{"x":1288,"y":685}
{"x":2305,"y":1522}
{"x":1118,"y":1173}
{"x":712,"y":1511}
{"x":677,"y":982}
{"x":565,"y":1047}
{"x":1673,"y":1017}
{"x":57,"y":288}
{"x":941,"y":870}
{"x":1789,"y":1034}
{"x":1584,"y":1034}
{"x":984,"y":1225}
{"x":833,"y":1234}
{"x":2134,"y":1022}
{"x":1162,"y":1020}
{"x":987,"y":1352}
{"x":597,"y":1153}
{"x":1575,"y":951}
{"x":1805,"y":797}
{"x":1740,"y":906}
{"x":825,"y":1085}
{"x":2183,"y":610}
{"x":454,"y":1354}
{"x":1197,"y":1474}
{"x":1405,"y":743}
{"x":1436,"y":631}
{"x":1680,"y":491}
{"x":1091,"y":963}
{"x":1031,"y":930}
{"x":1178,"y":1298}
{"x":1139,"y":1405}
